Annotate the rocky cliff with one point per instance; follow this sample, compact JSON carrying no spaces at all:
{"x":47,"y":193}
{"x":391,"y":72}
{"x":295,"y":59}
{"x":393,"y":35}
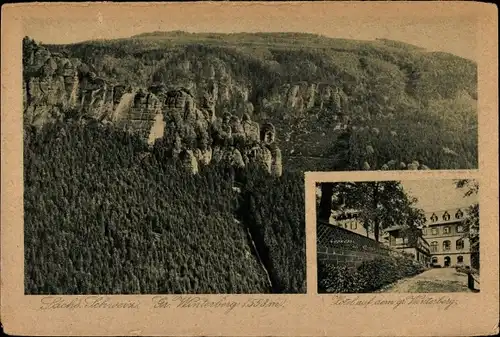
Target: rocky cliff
{"x":56,"y":87}
{"x":201,"y":92}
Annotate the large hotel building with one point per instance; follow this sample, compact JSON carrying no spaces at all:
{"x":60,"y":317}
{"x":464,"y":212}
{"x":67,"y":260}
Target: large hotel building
{"x":444,"y":231}
{"x":440,"y":241}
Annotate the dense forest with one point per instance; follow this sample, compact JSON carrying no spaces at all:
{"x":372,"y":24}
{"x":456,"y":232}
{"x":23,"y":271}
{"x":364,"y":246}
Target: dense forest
{"x":103,"y":214}
{"x":106,"y":213}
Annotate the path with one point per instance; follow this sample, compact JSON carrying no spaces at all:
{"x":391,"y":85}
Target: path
{"x":436,"y":280}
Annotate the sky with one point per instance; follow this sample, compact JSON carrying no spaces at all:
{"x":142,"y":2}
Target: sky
{"x":438,"y":194}
{"x":445,"y":30}
{"x":435,"y":195}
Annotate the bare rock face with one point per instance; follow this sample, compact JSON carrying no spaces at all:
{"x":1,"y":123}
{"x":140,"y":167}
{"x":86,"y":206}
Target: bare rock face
{"x":38,"y":115}
{"x":50,"y":85}
{"x":157,"y":129}
{"x":122,"y":105}
{"x":261,"y":155}
{"x":140,"y":112}
{"x":298,"y":97}
{"x":276,"y":162}
{"x":267,"y":133}
{"x":413,"y":165}
{"x":236,"y":127}
{"x":392,"y":164}
{"x":251,"y":130}
{"x":179,"y":106}
{"x":191,"y":123}
{"x":237,"y":131}
{"x":95,"y":96}
{"x":232,"y":156}
{"x":292,"y":96}
{"x":208,"y":107}
{"x":54,"y":85}
{"x":311,"y":96}
{"x":189,"y":161}
{"x":203,"y":156}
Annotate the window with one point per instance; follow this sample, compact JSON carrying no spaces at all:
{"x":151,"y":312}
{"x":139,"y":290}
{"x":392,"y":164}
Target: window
{"x":424,"y":231}
{"x":434,"y":217}
{"x":459,"y":214}
{"x":460,"y":244}
{"x":434,"y":259}
{"x":446,"y":230}
{"x":446,"y":245}
{"x":435,"y":231}
{"x":460,"y":259}
{"x":354,"y":225}
{"x":460,"y":228}
{"x":446,"y":216}
{"x":434,"y":246}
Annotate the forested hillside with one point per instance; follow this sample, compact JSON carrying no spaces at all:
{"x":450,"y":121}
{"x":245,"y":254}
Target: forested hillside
{"x":109,"y":127}
{"x":105,"y":215}
{"x":423,"y":104}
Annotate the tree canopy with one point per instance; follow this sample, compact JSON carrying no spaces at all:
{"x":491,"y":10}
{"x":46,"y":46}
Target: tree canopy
{"x":380,"y":204}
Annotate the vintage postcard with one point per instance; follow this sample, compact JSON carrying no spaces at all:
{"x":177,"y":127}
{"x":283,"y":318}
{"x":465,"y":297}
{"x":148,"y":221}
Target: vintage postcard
{"x":249,"y":168}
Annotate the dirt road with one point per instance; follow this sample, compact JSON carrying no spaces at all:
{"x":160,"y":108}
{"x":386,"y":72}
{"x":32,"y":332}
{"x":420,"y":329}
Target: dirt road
{"x":437,"y":280}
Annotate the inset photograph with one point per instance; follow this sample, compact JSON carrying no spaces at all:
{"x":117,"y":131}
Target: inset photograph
{"x":411,"y":236}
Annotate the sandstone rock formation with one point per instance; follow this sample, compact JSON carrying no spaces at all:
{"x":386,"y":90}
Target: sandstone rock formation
{"x":251,"y":130}
{"x":189,"y":161}
{"x":413,"y":165}
{"x":55,"y":87}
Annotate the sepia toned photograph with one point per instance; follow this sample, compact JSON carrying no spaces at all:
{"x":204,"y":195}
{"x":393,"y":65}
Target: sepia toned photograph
{"x":240,"y":168}
{"x":172,"y":161}
{"x":411,"y":236}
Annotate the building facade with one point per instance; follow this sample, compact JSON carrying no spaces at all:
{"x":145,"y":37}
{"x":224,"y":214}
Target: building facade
{"x":410,"y":241}
{"x":444,"y":230}
{"x":440,"y":242}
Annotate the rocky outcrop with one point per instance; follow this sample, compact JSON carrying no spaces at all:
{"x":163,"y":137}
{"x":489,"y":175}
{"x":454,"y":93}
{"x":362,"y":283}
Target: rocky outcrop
{"x":189,"y":162}
{"x":50,"y":84}
{"x":300,"y":97}
{"x":56,"y":87}
{"x":251,"y":130}
{"x":227,"y":139}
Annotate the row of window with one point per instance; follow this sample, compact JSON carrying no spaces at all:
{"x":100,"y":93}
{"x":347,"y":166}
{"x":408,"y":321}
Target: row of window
{"x":348,"y":224}
{"x":460,"y":259}
{"x":446,"y":216}
{"x":459,"y":245}
{"x":446,"y":230}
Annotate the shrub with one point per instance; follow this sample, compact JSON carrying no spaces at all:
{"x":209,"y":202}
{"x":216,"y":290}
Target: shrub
{"x":466,"y":270}
{"x":338,"y":279}
{"x":367,"y":277}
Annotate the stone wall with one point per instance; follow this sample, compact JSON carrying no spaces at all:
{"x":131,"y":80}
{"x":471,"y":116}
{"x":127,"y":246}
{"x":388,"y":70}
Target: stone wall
{"x":340,"y":246}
